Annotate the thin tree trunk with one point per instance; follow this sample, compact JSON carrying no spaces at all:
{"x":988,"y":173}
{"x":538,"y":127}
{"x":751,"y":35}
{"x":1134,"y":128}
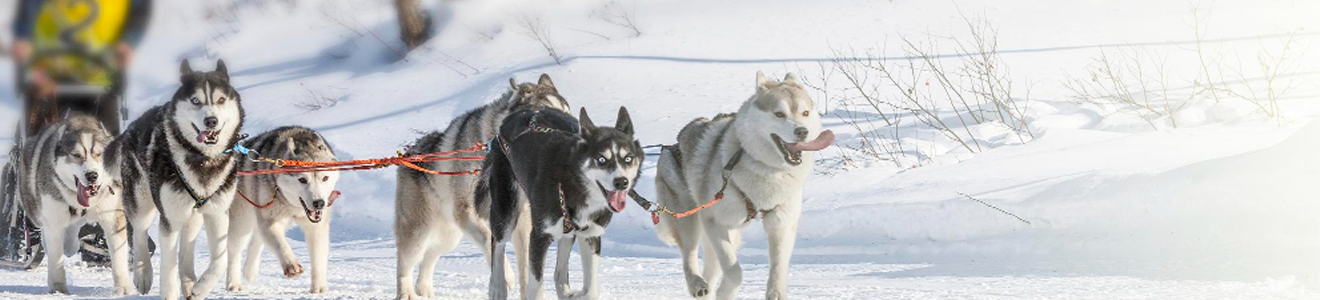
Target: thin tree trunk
{"x":412,"y":24}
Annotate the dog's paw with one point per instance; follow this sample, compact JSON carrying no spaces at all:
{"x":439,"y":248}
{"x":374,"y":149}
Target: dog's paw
{"x":293,"y":270}
{"x":142,"y":280}
{"x":319,"y":289}
{"x":499,"y":294}
{"x":187,"y":286}
{"x":425,"y":291}
{"x":59,"y":288}
{"x":697,"y":287}
{"x":121,"y":291}
{"x":406,"y":296}
{"x":775,"y":295}
{"x":234,"y":287}
{"x":578,"y":295}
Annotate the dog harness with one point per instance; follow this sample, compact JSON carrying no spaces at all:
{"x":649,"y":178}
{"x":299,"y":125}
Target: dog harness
{"x":727,"y":174}
{"x":198,"y":200}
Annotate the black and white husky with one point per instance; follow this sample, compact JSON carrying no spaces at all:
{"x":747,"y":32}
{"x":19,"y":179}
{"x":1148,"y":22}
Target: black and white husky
{"x":268,"y":204}
{"x":574,"y":177}
{"x":64,"y":185}
{"x":432,"y":212}
{"x":173,"y":162}
{"x":765,"y":153}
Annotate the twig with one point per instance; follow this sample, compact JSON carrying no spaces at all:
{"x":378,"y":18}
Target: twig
{"x":969,"y":197}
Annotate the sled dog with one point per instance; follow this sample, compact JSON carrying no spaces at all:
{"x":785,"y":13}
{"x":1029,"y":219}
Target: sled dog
{"x":173,"y":162}
{"x":765,"y":150}
{"x":432,"y":212}
{"x":268,"y":204}
{"x":65,"y":185}
{"x":574,"y":177}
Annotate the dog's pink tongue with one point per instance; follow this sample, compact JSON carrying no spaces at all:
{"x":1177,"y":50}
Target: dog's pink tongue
{"x":201,"y":137}
{"x":617,"y":200}
{"x":84,"y":193}
{"x":823,"y":140}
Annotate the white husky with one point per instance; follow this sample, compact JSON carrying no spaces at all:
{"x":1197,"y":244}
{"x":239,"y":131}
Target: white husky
{"x":64,"y":184}
{"x":761,"y":151}
{"x":268,"y":204}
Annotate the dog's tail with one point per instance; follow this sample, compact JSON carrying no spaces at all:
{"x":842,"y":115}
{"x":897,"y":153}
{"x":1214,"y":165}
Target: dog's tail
{"x":496,"y":180}
{"x":665,"y":194}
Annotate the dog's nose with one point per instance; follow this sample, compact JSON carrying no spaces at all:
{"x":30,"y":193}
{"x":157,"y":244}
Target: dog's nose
{"x":620,"y":183}
{"x":91,"y":177}
{"x":211,"y":122}
{"x":318,"y":204}
{"x":801,"y":133}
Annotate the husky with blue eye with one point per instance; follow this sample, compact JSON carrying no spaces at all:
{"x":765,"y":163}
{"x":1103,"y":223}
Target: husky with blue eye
{"x":64,"y":185}
{"x":575,"y":177}
{"x":174,"y":163}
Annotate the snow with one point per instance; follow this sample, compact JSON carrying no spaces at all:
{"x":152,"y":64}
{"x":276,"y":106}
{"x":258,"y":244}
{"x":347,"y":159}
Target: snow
{"x":1220,"y":206}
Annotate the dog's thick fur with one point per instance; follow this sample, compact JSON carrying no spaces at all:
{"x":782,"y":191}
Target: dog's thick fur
{"x":293,"y":198}
{"x":583,"y":175}
{"x":766,"y":175}
{"x":64,"y":185}
{"x":432,"y":212}
{"x":189,"y":135}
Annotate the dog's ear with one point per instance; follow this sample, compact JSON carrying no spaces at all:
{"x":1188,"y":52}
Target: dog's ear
{"x":221,"y":69}
{"x":790,"y":78}
{"x":585,"y":122}
{"x":185,"y":68}
{"x":760,"y":81}
{"x":545,"y":80}
{"x":624,"y":123}
{"x":513,"y":84}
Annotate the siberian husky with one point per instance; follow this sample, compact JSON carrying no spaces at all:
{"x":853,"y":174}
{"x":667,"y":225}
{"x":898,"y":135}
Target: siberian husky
{"x":268,"y":204}
{"x":432,"y":212}
{"x":574,"y":177}
{"x":765,"y":150}
{"x":173,"y":161}
{"x":65,"y":185}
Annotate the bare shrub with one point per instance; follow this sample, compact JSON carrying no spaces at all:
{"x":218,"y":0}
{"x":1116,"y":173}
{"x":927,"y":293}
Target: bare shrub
{"x":317,"y":99}
{"x":615,"y":13}
{"x":1276,"y":70}
{"x":1131,"y":81}
{"x":535,"y":28}
{"x":893,"y":101}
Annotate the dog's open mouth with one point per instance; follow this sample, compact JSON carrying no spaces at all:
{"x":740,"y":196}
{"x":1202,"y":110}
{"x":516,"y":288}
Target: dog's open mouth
{"x":85,"y":192}
{"x":313,"y":215}
{"x":793,"y":151}
{"x":209,"y":137}
{"x":616,"y":199}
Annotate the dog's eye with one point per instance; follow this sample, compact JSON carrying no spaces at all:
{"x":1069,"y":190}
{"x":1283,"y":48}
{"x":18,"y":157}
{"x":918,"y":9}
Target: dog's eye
{"x":76,"y":156}
{"x":627,"y":159}
{"x":781,"y":115}
{"x":221,"y":100}
{"x":302,"y":180}
{"x":195,"y":101}
{"x":325,"y":178}
{"x":806,"y":113}
{"x":600,"y":160}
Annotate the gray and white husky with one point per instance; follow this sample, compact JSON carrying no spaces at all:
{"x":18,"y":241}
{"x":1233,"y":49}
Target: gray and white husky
{"x":575,"y":177}
{"x":268,"y":204}
{"x":64,"y":185}
{"x":173,"y":163}
{"x":432,"y":212}
{"x":770,"y":143}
